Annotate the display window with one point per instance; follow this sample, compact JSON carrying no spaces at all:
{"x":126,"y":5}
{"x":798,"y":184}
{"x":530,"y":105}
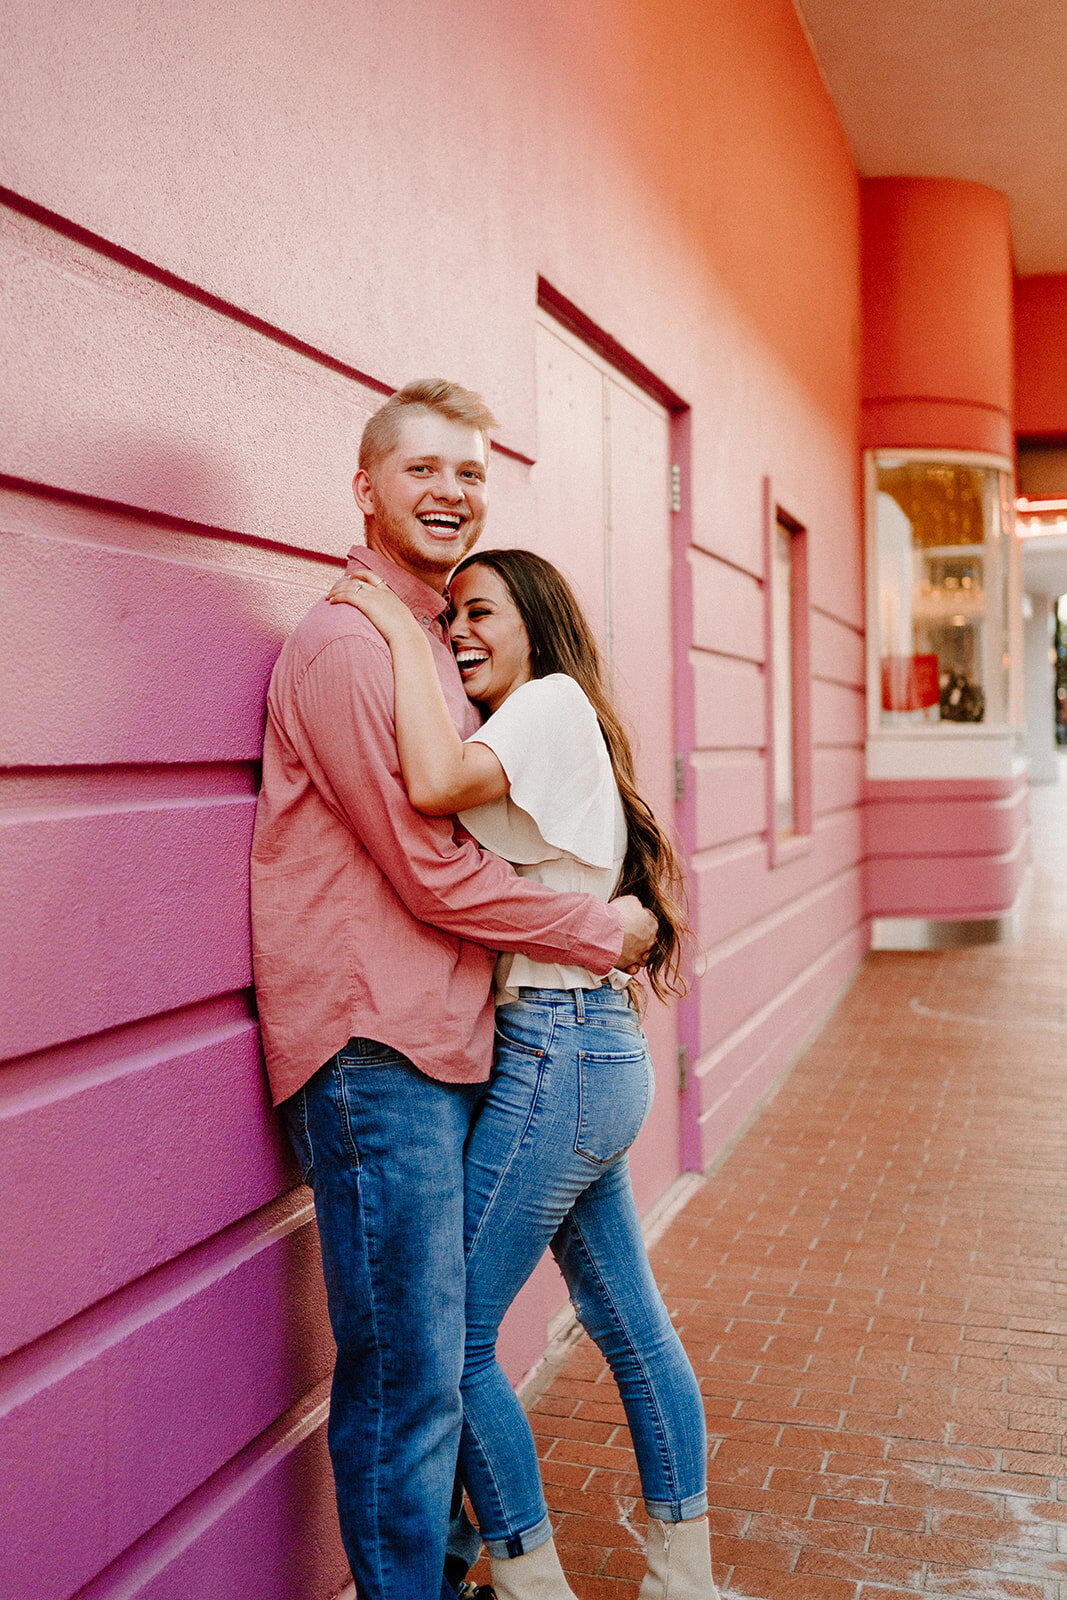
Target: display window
{"x":942,"y":576}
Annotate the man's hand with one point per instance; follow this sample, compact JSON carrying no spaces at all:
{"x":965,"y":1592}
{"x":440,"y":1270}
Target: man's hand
{"x":639,"y":929}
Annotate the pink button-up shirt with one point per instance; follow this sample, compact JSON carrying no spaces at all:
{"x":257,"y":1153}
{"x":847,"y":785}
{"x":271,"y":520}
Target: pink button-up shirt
{"x":368,"y":919}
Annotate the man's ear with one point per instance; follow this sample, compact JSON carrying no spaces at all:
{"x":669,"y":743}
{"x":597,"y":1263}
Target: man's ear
{"x":363,"y":490}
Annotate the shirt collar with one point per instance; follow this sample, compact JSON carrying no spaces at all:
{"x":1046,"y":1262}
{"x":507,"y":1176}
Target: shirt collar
{"x":424,"y":602}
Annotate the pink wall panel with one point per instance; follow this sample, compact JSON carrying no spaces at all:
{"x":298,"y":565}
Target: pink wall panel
{"x":138,"y":1116}
{"x":838,"y":714}
{"x":730,"y":706}
{"x":836,"y":650}
{"x":768,"y":956}
{"x":727,"y":609}
{"x":159,"y":659}
{"x":159,"y":919}
{"x":118,"y":387}
{"x":737,"y":887}
{"x":129,"y":1464}
{"x":731,"y":795}
{"x":745,"y":1066}
{"x":269,"y":1512}
{"x":838,"y":778}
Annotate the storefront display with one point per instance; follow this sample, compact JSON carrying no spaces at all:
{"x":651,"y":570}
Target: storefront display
{"x":942,"y":644}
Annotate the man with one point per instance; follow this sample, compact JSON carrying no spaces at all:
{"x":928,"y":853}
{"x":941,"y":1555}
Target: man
{"x":374,"y":932}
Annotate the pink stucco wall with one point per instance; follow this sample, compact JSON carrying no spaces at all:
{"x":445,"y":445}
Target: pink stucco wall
{"x":224,"y":231}
{"x":938,"y":330}
{"x":1041,"y":355}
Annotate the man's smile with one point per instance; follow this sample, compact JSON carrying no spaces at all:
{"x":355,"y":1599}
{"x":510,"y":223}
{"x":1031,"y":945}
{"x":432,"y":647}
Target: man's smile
{"x":442,"y":523}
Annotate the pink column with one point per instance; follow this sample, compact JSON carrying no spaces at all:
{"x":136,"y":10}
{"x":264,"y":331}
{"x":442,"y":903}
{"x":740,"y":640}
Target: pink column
{"x":938,"y":374}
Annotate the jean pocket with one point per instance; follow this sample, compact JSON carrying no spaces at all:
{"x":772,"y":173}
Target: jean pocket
{"x":525,"y":1028}
{"x":614,"y":1098}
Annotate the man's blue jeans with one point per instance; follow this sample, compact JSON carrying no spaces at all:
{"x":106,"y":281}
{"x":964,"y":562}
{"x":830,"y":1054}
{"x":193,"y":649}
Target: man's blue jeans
{"x":546,"y":1163}
{"x":382,"y":1147}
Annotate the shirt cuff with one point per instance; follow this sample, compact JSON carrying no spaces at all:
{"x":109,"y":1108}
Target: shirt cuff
{"x":604,"y":935}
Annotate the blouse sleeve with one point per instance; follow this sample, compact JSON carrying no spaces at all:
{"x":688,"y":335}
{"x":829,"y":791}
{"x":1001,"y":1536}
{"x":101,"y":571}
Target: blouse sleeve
{"x":548,"y":741}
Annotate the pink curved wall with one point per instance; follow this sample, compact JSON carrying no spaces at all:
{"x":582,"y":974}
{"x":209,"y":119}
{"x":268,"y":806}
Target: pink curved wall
{"x":946,"y":851}
{"x":225,"y":232}
{"x":938,"y":374}
{"x":1041,"y":355}
{"x":937,"y":315}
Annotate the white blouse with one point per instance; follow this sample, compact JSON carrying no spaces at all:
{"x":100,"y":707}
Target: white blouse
{"x":562,"y":822}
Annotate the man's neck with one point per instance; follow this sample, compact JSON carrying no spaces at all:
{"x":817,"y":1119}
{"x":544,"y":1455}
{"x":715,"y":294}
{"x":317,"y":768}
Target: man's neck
{"x":438,"y":582}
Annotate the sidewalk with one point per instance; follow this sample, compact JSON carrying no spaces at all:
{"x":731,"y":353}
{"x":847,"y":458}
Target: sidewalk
{"x":873,"y":1290}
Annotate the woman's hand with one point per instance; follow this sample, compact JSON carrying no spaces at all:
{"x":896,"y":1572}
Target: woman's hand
{"x":373,"y":596}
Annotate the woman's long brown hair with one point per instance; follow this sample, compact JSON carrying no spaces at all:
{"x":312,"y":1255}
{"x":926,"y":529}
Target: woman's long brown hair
{"x":562,"y":641}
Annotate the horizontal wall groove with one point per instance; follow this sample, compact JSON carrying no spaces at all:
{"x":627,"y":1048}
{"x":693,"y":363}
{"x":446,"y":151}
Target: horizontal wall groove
{"x":34,"y":1367}
{"x":143,"y":267}
{"x":188,"y":1521}
{"x":726,"y":561}
{"x":98,"y":1056}
{"x":45,"y":789}
{"x":957,"y":855}
{"x":742,"y":845}
{"x":725,"y":655}
{"x":752,"y":931}
{"x":855,"y":628}
{"x":930,"y":400}
{"x":779,"y":1001}
{"x":18,"y":1097}
{"x":114,"y":807}
{"x":855,"y":684}
{"x":164,"y":520}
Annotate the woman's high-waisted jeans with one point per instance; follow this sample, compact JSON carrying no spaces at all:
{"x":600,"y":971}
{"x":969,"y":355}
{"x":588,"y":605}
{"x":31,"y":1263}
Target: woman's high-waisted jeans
{"x":546,"y":1163}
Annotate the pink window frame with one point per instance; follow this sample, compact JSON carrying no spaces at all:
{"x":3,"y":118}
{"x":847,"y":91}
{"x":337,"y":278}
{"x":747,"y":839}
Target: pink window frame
{"x":782,"y":848}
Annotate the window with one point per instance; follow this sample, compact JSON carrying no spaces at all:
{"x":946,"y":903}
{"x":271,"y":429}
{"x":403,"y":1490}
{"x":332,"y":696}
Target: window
{"x":788,"y":685}
{"x":783,"y":667}
{"x":944,"y":645}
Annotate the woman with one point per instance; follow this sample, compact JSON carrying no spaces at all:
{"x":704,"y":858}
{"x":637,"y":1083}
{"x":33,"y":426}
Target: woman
{"x":547,"y":782}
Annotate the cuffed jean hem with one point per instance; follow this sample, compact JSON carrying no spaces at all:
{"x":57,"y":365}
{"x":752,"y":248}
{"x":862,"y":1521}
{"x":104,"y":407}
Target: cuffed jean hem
{"x":520,"y":1544}
{"x":694,"y":1505}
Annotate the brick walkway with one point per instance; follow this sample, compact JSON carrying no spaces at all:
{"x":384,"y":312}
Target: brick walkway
{"x":873,"y":1289}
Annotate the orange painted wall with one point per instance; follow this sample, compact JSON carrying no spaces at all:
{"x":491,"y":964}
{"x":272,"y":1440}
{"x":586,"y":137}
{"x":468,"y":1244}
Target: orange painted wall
{"x":937,"y":296}
{"x":1041,"y":354}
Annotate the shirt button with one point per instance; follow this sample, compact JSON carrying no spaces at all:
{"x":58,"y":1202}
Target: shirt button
{"x":426,"y":622}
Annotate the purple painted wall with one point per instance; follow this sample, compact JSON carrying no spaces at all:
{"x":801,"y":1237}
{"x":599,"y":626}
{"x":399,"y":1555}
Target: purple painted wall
{"x":224,"y":232}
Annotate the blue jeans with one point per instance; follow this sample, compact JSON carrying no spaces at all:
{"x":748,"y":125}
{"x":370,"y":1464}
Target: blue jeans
{"x":546,"y":1164}
{"x":382,"y":1147}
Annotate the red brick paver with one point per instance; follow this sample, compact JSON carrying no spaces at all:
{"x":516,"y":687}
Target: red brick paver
{"x":873,"y":1290}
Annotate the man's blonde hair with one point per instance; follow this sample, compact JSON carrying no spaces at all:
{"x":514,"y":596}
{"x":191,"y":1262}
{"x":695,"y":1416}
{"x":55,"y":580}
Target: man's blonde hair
{"x":450,"y":400}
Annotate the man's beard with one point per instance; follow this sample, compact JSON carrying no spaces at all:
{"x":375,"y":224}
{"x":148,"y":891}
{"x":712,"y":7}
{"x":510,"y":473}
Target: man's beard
{"x":394,"y":536}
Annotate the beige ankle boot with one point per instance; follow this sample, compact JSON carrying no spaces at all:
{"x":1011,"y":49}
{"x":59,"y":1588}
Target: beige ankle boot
{"x":679,"y":1562}
{"x":535,"y":1576}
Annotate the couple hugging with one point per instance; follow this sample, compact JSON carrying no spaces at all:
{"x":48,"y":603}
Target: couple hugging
{"x":447,"y":1139}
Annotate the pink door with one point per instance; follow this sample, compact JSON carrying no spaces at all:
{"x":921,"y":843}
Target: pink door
{"x":602,"y":483}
